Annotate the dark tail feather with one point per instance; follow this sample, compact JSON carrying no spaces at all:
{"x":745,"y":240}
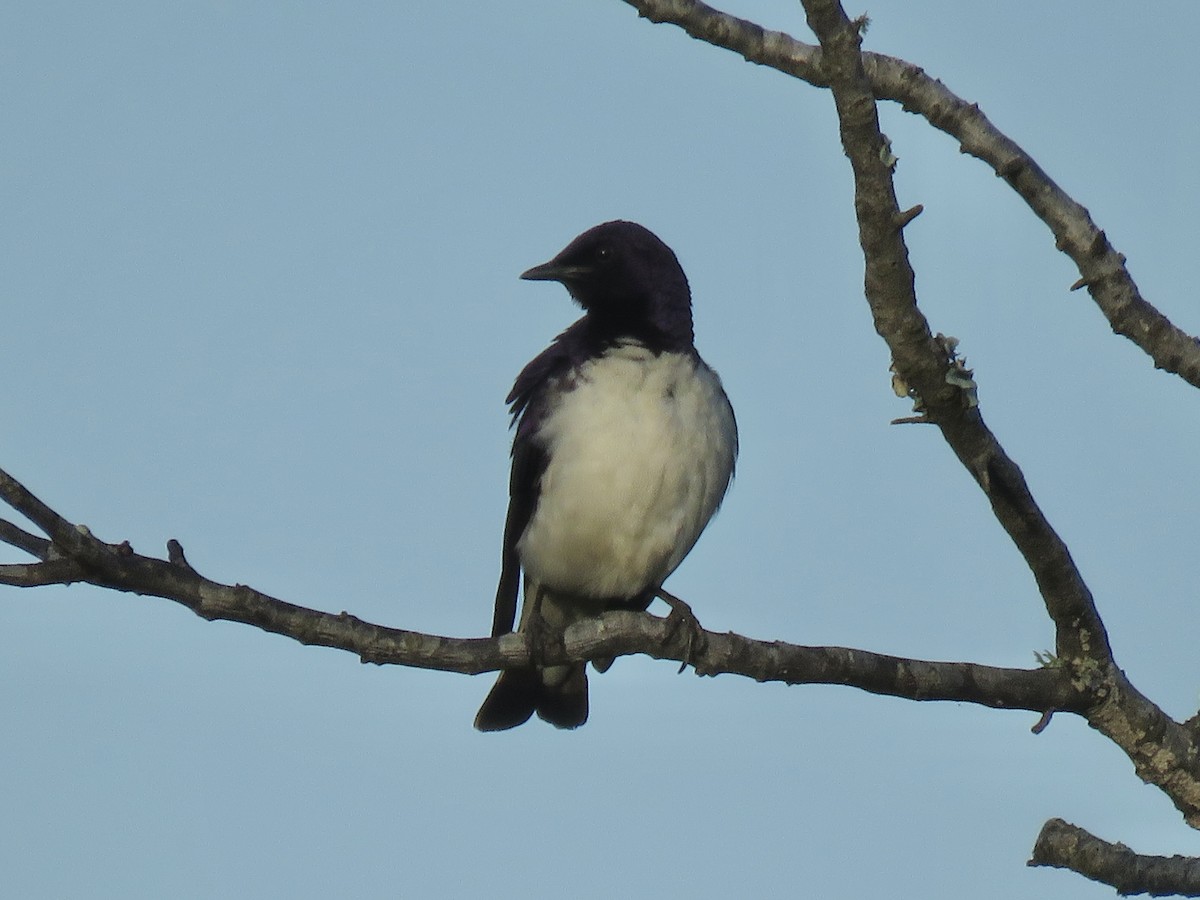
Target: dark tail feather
{"x":511,"y":701}
{"x":519,"y":693}
{"x":565,"y":705}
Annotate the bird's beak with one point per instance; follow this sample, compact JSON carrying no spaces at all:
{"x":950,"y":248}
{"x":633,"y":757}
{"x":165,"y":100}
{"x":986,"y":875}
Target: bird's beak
{"x":554,"y":271}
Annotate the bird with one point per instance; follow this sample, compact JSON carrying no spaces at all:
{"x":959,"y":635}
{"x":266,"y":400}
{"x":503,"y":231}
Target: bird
{"x":625,"y":444}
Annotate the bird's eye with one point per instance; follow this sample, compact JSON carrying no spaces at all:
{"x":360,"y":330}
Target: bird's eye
{"x":603,"y":253}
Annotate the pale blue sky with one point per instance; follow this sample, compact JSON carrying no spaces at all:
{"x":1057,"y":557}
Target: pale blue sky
{"x":259,"y":272}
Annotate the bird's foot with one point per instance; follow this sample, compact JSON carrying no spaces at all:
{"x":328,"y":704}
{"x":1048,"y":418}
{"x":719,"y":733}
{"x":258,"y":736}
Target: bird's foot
{"x":682,"y":624}
{"x":542,"y":639}
{"x":545,"y":638}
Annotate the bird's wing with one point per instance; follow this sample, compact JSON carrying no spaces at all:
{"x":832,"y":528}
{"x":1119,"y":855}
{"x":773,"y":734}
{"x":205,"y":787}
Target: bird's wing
{"x":527,"y":401}
{"x":529,"y":462}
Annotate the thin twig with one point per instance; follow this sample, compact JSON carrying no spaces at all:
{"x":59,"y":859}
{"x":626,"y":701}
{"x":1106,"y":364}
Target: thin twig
{"x":18,"y":537}
{"x":55,"y":571}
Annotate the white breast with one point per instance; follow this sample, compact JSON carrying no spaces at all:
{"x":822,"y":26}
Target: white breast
{"x":641,"y":452}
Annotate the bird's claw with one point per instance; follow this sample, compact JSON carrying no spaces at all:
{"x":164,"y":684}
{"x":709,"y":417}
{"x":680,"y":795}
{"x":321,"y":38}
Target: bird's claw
{"x":682,"y":623}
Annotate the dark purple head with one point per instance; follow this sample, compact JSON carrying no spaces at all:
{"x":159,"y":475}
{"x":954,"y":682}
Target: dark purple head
{"x":628,"y":281}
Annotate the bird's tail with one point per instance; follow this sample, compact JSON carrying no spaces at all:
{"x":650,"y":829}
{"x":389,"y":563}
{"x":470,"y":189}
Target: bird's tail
{"x":558,"y":694}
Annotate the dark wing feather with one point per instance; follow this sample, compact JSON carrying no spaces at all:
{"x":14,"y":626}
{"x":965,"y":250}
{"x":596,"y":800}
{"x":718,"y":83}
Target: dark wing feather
{"x":527,"y":403}
{"x":529,"y":462}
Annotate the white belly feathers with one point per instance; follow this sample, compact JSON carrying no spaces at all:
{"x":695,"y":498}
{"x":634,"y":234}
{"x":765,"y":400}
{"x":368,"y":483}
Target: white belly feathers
{"x":641,"y":452}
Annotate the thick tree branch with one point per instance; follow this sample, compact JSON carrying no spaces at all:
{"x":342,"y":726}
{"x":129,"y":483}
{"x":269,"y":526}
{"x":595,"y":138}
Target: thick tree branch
{"x":1163,"y":752}
{"x":924,"y":362}
{"x":1065,"y":846}
{"x":1101,"y":268}
{"x":616,"y":634}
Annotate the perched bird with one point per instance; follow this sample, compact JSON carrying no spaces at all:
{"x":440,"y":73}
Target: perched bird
{"x":625,"y":444}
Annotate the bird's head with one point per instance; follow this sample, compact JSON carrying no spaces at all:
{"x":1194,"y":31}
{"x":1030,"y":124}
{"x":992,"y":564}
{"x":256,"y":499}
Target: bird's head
{"x":626,"y":279}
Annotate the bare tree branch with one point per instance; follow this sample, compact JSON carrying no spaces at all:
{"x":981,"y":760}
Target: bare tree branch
{"x":22,"y":539}
{"x":1066,"y":846}
{"x":925,"y":363}
{"x":56,"y":571}
{"x":71,"y":538}
{"x":1162,"y":751}
{"x":1101,"y":268}
{"x":615,"y":634}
